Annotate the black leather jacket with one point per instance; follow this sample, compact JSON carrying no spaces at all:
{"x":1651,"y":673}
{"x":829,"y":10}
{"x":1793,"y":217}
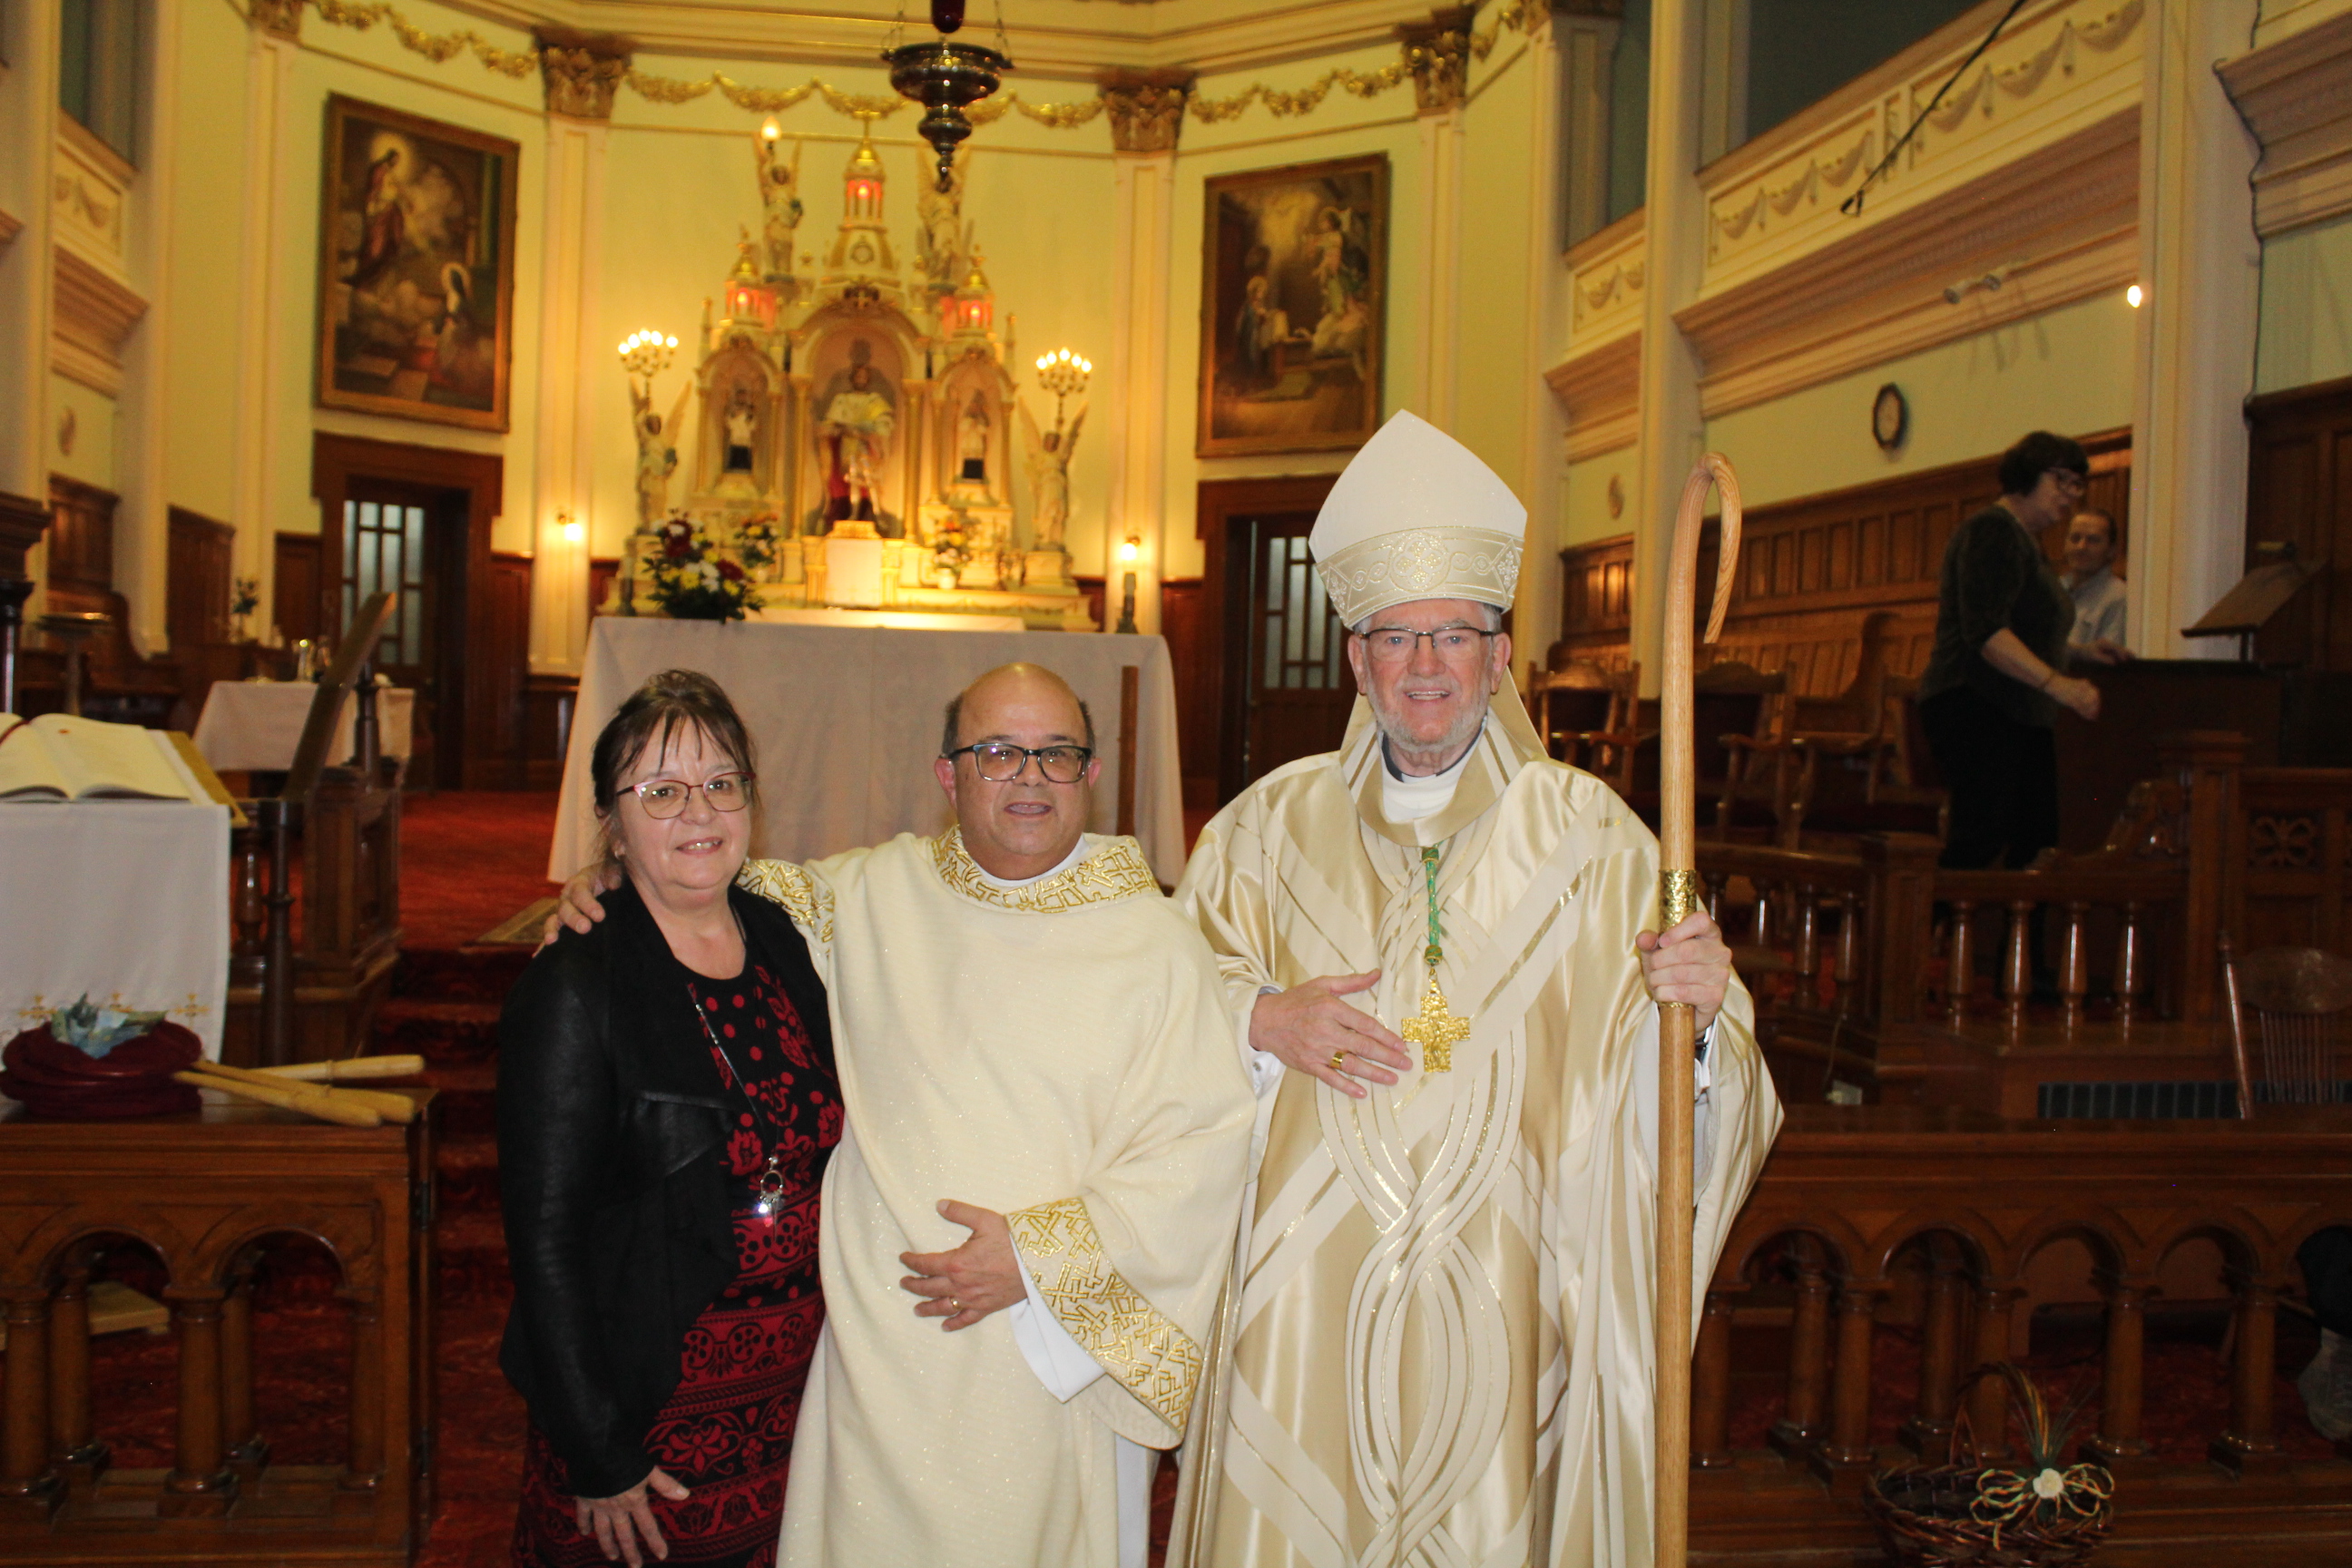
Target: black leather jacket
{"x":612,"y":1119}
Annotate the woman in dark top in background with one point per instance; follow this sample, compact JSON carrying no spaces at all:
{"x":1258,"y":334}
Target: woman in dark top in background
{"x":667,"y":1104}
{"x":1997,"y":677}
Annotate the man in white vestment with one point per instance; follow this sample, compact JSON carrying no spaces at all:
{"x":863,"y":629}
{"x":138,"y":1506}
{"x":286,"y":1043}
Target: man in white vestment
{"x":1442,"y":966}
{"x":1047,"y":1138}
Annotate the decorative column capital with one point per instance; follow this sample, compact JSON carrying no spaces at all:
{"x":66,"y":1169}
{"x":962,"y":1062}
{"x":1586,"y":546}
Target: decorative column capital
{"x":583,"y":70}
{"x":279,"y":18}
{"x":1437,"y":52}
{"x":1147,"y":107}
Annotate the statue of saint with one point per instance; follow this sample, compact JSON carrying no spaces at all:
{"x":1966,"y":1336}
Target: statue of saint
{"x":973,"y":431}
{"x":1049,"y":477}
{"x":854,"y":437}
{"x":780,"y":185}
{"x":942,"y":243}
{"x":742,"y":422}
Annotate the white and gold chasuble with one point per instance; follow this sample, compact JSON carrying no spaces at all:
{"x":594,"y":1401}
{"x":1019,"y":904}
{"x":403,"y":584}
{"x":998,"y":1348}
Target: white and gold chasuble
{"x":1440,"y":1330}
{"x":1059,"y":1052}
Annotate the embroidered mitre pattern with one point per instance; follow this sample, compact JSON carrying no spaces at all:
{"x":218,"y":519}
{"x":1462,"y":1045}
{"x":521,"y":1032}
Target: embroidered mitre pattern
{"x":807,"y":901}
{"x":1152,"y":1358}
{"x":1117,"y":869}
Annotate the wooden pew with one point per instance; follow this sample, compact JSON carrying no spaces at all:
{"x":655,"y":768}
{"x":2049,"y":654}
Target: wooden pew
{"x":206,"y":1191}
{"x":1870,"y":1216}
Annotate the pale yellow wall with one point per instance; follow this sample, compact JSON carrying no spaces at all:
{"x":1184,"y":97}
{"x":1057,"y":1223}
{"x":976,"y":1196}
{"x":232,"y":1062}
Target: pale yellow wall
{"x":208,"y":202}
{"x":2305,"y":335}
{"x":95,"y":425}
{"x":2068,"y":370}
{"x":1584,"y":502}
{"x":1342,"y":127}
{"x":1497,"y":349}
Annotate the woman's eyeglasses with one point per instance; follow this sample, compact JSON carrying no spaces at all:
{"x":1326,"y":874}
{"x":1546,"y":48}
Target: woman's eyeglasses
{"x":665,"y":798}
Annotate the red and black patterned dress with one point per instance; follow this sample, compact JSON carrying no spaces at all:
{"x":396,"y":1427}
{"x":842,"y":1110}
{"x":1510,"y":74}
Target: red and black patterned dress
{"x":726,"y":1433}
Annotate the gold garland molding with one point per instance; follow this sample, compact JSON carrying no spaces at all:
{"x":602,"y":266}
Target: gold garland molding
{"x":439,"y":47}
{"x":361,"y":15}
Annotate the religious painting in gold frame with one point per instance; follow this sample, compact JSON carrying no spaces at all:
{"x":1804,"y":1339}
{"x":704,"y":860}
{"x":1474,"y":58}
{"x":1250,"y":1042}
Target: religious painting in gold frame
{"x":1294,"y":301}
{"x":416,"y":245}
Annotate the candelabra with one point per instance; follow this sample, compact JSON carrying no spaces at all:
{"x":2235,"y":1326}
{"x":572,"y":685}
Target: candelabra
{"x":647,"y":356}
{"x":1064,"y":374}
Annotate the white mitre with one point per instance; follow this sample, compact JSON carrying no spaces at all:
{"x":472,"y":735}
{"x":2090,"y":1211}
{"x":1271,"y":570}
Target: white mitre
{"x":1417,"y":516}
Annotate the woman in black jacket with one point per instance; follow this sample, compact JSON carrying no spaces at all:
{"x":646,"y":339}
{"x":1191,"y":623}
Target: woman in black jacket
{"x":1997,"y":677}
{"x":666,"y":1103}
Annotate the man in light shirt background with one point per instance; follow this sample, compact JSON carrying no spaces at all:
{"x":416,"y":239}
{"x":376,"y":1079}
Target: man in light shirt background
{"x":2099,"y":594}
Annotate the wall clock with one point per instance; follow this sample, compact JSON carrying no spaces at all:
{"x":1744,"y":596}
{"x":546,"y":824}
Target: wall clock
{"x":1890,"y":418}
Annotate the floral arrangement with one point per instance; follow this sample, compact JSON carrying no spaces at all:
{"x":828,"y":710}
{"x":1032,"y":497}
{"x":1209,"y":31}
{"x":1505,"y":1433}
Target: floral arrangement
{"x":692,"y":581}
{"x":758,"y":542}
{"x":245,"y":596}
{"x":948,"y":547}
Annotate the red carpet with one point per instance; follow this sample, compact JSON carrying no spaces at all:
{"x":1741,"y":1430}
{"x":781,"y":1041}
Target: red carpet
{"x":471,"y":861}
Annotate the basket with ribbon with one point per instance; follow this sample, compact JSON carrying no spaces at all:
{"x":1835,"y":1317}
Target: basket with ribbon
{"x":2041,"y":1514}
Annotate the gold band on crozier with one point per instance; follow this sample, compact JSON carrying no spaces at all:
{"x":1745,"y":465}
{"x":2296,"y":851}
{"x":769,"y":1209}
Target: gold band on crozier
{"x":1678,"y":895}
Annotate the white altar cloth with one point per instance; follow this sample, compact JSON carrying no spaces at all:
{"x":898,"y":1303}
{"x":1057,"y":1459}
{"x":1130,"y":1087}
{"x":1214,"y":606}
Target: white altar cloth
{"x":847,"y":721}
{"x":905,"y":620}
{"x":126,"y":901}
{"x":255,"y":725}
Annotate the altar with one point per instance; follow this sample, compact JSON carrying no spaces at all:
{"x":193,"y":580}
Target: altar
{"x":845,"y":720}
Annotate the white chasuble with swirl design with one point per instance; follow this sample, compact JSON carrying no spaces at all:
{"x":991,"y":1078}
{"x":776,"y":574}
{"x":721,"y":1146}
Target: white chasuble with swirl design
{"x":1059,"y":1052}
{"x":1436,"y":1347}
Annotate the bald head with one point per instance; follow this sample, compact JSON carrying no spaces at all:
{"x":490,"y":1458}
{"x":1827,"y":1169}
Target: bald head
{"x":1009,"y":686}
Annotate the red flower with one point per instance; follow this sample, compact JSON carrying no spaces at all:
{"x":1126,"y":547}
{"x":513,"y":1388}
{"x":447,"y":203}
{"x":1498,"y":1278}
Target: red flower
{"x":728,"y":570}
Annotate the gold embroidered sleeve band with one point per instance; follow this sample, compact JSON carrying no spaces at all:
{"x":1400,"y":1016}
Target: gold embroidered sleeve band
{"x":1151,"y":1358}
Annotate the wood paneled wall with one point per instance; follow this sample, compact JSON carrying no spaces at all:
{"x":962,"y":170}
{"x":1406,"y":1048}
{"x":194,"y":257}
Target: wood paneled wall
{"x":1813,"y":570}
{"x":495,"y":662}
{"x":2299,"y":488}
{"x":81,"y":546}
{"x":295,"y":593}
{"x":199,"y":562}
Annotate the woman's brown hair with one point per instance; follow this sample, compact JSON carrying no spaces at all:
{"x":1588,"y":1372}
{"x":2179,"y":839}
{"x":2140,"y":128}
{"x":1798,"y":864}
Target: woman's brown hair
{"x":673,"y":700}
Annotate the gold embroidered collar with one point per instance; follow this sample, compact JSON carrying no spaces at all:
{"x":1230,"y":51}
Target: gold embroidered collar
{"x":1116,"y":870}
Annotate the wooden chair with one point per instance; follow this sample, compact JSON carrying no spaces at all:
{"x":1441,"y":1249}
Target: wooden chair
{"x":1736,"y":709}
{"x":2298,"y":996}
{"x":1585,"y":714}
{"x":1849,"y":764}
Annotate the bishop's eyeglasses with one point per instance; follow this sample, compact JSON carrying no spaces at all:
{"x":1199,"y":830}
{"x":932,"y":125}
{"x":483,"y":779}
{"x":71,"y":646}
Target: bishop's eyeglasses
{"x":665,"y":798}
{"x":1454,"y":644}
{"x":1000,"y":761}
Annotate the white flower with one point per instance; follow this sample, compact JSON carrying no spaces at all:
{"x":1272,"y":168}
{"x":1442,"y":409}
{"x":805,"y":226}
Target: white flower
{"x":2050,"y":1486}
{"x":709,"y":574}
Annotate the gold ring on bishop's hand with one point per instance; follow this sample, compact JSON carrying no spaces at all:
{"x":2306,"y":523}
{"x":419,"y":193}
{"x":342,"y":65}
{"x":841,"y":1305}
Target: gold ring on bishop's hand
{"x":1336,"y":1058}
{"x":956,"y":1303}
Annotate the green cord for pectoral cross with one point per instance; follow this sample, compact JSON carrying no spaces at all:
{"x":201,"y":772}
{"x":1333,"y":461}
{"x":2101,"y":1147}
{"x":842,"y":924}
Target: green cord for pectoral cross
{"x":1435,"y":950}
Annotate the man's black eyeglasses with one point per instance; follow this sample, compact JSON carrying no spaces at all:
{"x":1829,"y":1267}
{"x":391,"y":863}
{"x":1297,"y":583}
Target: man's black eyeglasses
{"x":1000,"y":761}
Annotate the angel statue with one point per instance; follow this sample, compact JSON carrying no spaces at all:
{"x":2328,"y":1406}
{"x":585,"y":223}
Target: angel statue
{"x":657,"y":449}
{"x":1049,"y":476}
{"x":780,"y":185}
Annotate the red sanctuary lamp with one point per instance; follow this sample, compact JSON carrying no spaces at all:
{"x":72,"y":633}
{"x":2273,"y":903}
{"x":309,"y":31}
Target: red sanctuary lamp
{"x":945,"y":77}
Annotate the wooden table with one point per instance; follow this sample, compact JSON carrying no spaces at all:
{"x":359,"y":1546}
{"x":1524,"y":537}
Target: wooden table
{"x":203,"y":1190}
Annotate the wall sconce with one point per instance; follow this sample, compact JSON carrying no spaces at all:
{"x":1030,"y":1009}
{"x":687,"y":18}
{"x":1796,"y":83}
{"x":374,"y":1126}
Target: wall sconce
{"x":1130,"y":549}
{"x":2132,"y":296}
{"x":574,"y":530}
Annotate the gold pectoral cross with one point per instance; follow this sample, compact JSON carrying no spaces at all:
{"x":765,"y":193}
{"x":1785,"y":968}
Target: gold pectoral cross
{"x":1436,"y":1029}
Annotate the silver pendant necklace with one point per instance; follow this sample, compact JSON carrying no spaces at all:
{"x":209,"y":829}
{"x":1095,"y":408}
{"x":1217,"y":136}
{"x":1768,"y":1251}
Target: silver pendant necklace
{"x":768,"y":1185}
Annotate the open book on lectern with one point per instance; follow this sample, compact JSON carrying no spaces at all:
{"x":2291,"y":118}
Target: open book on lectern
{"x":61,"y":757}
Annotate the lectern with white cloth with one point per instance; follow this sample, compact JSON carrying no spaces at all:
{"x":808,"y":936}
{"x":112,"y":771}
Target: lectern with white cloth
{"x":847,"y":720}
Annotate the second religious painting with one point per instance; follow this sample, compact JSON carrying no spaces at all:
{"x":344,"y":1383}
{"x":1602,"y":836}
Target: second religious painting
{"x":1294,"y":295}
{"x":416,"y":268}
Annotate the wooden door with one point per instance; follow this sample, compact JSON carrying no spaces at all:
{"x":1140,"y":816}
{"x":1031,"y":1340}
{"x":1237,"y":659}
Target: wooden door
{"x":1297,"y":689}
{"x":410,"y":540}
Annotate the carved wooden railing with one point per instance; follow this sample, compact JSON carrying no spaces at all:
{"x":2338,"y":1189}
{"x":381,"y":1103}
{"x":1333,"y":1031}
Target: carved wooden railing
{"x":1946,"y":1209}
{"x":205,"y":1192}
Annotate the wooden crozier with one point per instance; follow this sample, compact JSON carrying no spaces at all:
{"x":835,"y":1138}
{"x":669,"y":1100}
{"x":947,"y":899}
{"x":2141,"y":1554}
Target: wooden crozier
{"x":1677,"y":1024}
